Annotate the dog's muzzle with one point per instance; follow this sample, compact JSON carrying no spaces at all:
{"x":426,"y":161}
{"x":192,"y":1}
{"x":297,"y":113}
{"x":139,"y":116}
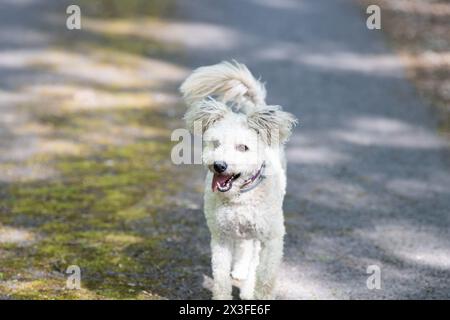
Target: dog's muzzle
{"x":223,"y":182}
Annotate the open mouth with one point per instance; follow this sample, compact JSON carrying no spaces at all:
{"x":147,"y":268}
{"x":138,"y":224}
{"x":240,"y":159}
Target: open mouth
{"x":223,"y":182}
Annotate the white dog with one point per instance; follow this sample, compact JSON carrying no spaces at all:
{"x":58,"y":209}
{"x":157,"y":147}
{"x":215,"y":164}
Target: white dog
{"x":243,"y":149}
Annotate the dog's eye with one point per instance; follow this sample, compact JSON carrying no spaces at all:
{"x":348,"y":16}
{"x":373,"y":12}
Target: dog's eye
{"x":241,"y":147}
{"x":215,"y":143}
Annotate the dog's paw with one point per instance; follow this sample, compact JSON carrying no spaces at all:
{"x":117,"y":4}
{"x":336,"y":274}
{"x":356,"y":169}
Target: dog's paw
{"x":246,"y":295}
{"x":239,"y":273}
{"x":222,"y":297}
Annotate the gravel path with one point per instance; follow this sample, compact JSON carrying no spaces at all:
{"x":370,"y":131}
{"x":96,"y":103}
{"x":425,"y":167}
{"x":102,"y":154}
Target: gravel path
{"x":369,"y":176}
{"x":14,"y":146}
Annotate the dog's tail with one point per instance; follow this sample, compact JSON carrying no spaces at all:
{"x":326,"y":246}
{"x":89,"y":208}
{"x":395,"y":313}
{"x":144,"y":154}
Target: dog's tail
{"x":226,"y":82}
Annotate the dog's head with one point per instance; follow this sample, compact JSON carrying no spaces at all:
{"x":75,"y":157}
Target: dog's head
{"x":235,"y":145}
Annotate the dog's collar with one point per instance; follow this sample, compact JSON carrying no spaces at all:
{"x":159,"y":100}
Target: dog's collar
{"x":254,"y":181}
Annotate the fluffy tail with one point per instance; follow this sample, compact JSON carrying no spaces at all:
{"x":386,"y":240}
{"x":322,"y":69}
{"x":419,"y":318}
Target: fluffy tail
{"x":227,"y":82}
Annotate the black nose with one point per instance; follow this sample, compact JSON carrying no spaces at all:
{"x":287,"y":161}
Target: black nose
{"x":220,"y":166}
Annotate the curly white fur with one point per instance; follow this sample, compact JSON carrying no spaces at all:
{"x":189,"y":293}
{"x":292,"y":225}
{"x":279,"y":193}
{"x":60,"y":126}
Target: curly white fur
{"x":207,"y":111}
{"x":247,"y":229}
{"x":228,"y":81}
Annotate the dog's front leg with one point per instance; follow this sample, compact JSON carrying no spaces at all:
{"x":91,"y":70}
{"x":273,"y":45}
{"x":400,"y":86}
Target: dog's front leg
{"x":270,"y":259}
{"x":248,"y":285}
{"x":221,"y":268}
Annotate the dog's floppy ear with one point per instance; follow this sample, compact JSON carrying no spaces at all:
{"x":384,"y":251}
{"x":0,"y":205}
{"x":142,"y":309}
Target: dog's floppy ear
{"x":205,"y":112}
{"x":273,"y":124}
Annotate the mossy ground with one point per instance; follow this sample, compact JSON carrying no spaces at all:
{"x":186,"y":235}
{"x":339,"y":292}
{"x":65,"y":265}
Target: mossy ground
{"x":87,"y":216}
{"x":107,"y":207}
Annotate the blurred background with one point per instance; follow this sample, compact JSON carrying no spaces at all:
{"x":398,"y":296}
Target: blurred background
{"x":86,"y":115}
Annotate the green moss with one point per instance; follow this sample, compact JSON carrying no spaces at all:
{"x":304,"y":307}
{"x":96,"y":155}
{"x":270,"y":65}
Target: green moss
{"x":129,"y":8}
{"x":83,"y":216}
{"x":105,"y":44}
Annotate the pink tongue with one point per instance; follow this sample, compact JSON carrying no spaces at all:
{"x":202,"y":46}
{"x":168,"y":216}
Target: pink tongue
{"x":219,"y":179}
